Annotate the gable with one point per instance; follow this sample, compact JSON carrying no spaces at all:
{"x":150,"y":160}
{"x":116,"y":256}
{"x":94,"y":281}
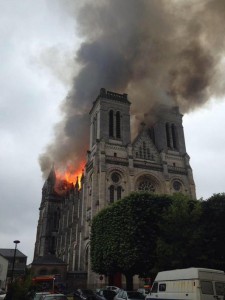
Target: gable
{"x":144,"y":148}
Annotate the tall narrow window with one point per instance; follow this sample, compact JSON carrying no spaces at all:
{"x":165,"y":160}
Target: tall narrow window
{"x":144,"y":149}
{"x":168,"y":135}
{"x":111,"y":123}
{"x":152,"y":134}
{"x":119,"y":192}
{"x":93,"y":131}
{"x":118,"y":125}
{"x":52,"y":245}
{"x":96,"y":125}
{"x":140,"y":152}
{"x":111,"y":194}
{"x":174,"y":137}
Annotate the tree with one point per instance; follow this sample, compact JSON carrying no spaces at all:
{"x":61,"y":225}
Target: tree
{"x":21,"y":288}
{"x":124,"y":235}
{"x":179,"y":240}
{"x":213,"y":227}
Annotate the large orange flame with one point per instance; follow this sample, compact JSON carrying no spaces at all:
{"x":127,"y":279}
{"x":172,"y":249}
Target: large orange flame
{"x":68,"y":176}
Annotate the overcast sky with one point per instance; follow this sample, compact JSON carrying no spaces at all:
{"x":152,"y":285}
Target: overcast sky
{"x":37,"y":47}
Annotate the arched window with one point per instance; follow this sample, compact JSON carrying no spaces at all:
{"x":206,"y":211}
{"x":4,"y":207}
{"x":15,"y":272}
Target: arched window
{"x":93,"y":132}
{"x":146,"y":185}
{"x":152,"y":134}
{"x":144,"y":149}
{"x":174,"y":137}
{"x":140,"y":152}
{"x":119,"y":192}
{"x":111,"y":123}
{"x":148,"y":153}
{"x":168,"y":135}
{"x":111,"y":194}
{"x":118,"y":124}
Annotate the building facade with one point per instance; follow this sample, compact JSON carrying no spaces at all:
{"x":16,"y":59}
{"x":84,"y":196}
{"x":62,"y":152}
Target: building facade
{"x":155,"y":161}
{"x":3,"y":271}
{"x":16,"y":263}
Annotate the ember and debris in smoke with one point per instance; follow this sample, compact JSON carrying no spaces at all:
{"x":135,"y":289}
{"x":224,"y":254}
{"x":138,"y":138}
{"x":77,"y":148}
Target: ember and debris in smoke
{"x":157,"y":51}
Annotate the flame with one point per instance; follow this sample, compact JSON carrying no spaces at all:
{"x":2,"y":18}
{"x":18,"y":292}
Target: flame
{"x":69,"y":175}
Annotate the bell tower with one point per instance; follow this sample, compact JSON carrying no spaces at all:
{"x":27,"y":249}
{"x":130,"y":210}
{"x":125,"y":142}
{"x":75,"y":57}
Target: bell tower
{"x":168,"y":131}
{"x":110,"y":118}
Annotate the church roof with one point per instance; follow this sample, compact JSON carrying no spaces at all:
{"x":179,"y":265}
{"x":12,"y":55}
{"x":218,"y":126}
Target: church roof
{"x":10,"y":253}
{"x":48,"y":260}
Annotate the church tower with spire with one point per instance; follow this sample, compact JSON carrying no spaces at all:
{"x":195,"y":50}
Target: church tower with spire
{"x":49,"y":216}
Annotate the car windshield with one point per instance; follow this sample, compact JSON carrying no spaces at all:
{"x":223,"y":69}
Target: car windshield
{"x":135,"y":295}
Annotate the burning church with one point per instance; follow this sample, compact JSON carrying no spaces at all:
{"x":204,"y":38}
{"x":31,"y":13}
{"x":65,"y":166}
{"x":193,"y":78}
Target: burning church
{"x":170,"y":63}
{"x":155,"y":161}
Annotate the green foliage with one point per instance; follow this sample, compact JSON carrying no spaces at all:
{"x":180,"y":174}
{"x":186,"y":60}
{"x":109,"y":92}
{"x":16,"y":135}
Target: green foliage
{"x":145,"y":233}
{"x":124,"y":234}
{"x":19,"y":290}
{"x":179,"y":240}
{"x":213,"y":228}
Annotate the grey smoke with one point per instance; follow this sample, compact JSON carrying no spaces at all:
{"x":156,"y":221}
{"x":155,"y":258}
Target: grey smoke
{"x":157,"y":51}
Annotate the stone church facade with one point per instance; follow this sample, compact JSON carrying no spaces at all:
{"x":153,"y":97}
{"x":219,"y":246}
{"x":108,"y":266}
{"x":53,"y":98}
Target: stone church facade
{"x":156,"y":161}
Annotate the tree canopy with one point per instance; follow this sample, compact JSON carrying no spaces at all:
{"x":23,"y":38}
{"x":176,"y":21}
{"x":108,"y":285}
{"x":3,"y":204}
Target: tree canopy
{"x":179,"y":239}
{"x":213,"y":229}
{"x":145,"y":233}
{"x":124,"y":235}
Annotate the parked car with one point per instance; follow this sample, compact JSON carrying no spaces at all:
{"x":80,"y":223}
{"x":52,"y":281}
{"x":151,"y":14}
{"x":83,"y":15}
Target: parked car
{"x":112,"y":288}
{"x":38,"y":295}
{"x":129,"y":295}
{"x":143,"y":291}
{"x":104,"y":294}
{"x":54,"y":297}
{"x":84,"y":294}
{"x":2,"y":294}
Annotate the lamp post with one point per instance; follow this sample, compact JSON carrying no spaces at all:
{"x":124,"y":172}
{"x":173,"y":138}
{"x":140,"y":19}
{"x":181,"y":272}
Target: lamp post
{"x":14,"y":257}
{"x":53,"y":284}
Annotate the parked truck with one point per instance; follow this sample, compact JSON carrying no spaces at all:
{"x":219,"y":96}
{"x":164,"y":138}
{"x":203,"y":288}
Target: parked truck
{"x":190,"y":283}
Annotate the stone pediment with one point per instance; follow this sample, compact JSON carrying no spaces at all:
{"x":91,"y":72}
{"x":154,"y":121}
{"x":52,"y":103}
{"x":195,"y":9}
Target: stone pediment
{"x":144,"y":148}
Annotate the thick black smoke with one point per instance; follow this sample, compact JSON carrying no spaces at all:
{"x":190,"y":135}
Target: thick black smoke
{"x":157,"y":51}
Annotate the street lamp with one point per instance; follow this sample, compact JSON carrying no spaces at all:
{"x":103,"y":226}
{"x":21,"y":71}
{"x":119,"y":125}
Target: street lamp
{"x":14,"y":257}
{"x":53,"y":284}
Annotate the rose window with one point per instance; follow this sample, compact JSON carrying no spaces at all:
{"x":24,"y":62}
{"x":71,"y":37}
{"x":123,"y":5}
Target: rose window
{"x":115,"y":177}
{"x":146,"y":185}
{"x":177,"y":185}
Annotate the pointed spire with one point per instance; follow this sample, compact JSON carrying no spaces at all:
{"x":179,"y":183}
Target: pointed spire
{"x":52,"y":176}
{"x":49,"y":184}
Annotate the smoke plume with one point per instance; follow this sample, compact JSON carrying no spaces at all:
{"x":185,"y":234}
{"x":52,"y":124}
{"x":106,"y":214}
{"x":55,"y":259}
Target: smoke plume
{"x":157,"y":51}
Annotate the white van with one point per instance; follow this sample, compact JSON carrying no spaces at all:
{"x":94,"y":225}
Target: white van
{"x":191,"y":283}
